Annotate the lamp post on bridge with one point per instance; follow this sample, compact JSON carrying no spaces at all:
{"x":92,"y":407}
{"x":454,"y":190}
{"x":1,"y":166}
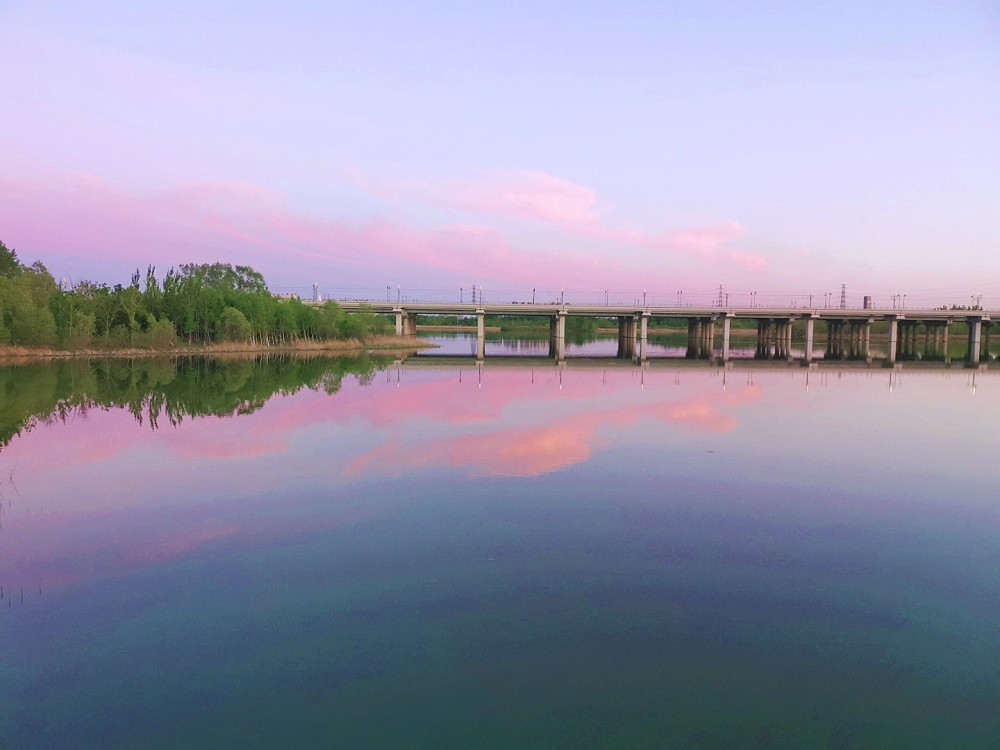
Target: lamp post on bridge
{"x":605,"y":297}
{"x":532,"y":295}
{"x":562,"y":296}
{"x":643,"y":297}
{"x":397,"y":294}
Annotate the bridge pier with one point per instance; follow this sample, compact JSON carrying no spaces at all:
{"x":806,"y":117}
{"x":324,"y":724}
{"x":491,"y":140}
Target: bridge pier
{"x":694,"y":337}
{"x":644,"y":337}
{"x":480,"y":334}
{"x":975,"y":339}
{"x":406,"y":323}
{"x":893,"y":340}
{"x":909,"y":339}
{"x":810,"y":335}
{"x":557,"y":336}
{"x":727,"y":324}
{"x":626,"y":337}
{"x":860,"y":339}
{"x":701,"y":338}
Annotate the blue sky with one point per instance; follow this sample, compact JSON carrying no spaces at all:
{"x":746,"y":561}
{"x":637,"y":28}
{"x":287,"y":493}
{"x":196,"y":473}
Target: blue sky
{"x":772,"y":147}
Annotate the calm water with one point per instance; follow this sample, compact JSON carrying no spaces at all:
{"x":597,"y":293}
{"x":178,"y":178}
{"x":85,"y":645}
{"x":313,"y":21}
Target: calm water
{"x":662,"y":345}
{"x":356,"y":554}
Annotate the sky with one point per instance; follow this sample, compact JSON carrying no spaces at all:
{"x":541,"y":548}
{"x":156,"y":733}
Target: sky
{"x":420,"y":149}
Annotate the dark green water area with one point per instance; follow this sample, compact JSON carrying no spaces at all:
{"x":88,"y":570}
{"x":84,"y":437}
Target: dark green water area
{"x":339,"y":553}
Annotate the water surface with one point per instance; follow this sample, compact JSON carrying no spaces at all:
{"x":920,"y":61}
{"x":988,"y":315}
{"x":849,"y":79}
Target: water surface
{"x":338,"y":553}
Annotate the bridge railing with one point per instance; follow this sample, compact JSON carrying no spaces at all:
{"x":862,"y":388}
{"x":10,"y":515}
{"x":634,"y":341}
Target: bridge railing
{"x":643,"y":298}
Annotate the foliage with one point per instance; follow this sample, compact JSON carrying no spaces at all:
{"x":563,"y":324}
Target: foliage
{"x":195,"y":303}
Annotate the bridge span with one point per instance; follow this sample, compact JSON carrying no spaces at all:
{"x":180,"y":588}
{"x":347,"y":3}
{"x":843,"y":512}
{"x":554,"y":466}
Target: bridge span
{"x":848,"y":330}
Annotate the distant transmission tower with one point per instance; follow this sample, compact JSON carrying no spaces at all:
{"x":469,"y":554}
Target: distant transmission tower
{"x":843,"y":296}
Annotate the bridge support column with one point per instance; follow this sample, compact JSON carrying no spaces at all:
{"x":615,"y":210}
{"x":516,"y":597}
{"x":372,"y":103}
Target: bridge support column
{"x":480,"y":334}
{"x":644,"y":337}
{"x":893,"y":340}
{"x":858,"y":334}
{"x":623,"y":326}
{"x":763,"y":350}
{"x":707,"y":343}
{"x":399,"y":321}
{"x":944,"y":341}
{"x":975,"y":339}
{"x":868,"y":339}
{"x":410,"y":324}
{"x":987,"y":325}
{"x":561,"y":335}
{"x":727,"y":324}
{"x":810,"y":335}
{"x":788,"y":338}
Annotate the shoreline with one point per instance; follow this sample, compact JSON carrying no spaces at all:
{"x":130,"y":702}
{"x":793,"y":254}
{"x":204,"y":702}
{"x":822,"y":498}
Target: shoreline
{"x":13,"y":355}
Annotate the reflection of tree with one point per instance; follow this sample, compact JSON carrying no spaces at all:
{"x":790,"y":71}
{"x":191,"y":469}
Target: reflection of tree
{"x":152,"y":389}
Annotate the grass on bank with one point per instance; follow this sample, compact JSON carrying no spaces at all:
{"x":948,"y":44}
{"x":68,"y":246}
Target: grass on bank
{"x":15,"y":354}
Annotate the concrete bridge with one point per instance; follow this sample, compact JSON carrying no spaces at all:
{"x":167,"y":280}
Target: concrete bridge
{"x":848,"y":329}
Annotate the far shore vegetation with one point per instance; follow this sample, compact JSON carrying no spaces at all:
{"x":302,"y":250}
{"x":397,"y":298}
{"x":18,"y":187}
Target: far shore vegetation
{"x":205,"y":308}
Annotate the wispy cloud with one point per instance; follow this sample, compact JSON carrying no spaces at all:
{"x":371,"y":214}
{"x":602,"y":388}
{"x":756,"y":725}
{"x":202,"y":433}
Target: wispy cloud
{"x":83,"y":217}
{"x":575,"y":209}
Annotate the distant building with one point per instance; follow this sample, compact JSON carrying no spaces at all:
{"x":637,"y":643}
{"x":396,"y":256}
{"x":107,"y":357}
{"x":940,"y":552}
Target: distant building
{"x":316,"y":295}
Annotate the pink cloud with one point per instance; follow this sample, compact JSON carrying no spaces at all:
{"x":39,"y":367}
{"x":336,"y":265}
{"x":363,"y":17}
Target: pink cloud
{"x":528,"y":194}
{"x":84,"y":218}
{"x":574,"y":209}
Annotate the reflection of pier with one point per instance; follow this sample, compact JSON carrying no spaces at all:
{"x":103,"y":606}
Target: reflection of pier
{"x":909,"y":335}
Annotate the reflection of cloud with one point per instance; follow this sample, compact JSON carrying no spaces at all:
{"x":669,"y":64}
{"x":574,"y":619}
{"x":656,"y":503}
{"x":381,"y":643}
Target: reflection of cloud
{"x":522,"y":452}
{"x":494,"y":451}
{"x":177,"y":544}
{"x":698,"y":414}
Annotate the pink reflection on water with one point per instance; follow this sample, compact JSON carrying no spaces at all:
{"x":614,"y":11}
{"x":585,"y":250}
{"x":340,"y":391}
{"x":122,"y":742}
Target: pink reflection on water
{"x":103,"y":495}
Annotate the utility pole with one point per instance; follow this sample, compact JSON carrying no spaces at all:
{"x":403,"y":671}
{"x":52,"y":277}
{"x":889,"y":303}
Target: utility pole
{"x":843,"y":296}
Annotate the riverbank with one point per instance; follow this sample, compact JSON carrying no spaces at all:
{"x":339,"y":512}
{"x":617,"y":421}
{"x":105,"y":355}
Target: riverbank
{"x":22,"y":354}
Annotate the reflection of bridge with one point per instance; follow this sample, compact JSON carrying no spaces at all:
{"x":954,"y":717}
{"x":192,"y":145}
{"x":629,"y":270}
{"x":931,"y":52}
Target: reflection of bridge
{"x":848,"y":330}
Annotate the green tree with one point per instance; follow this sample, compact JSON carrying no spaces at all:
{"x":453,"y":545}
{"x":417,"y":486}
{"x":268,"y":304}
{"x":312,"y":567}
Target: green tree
{"x":233,"y":325}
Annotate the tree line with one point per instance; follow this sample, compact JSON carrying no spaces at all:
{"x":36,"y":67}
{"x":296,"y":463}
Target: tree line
{"x":195,"y":303}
